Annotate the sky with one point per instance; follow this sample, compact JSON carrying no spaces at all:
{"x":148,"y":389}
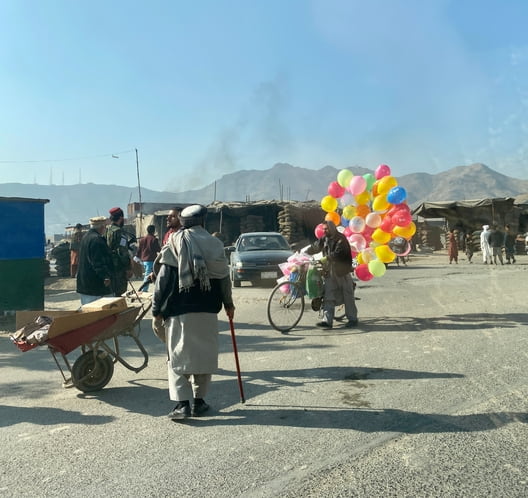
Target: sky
{"x":204,"y":89}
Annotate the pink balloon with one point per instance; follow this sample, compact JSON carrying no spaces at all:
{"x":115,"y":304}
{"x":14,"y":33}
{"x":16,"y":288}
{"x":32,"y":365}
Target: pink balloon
{"x":357,"y":242}
{"x":373,"y":220}
{"x":357,"y":185}
{"x":381,"y":171}
{"x":367,"y":234}
{"x":319,"y":231}
{"x":363,"y":273}
{"x":347,"y":232}
{"x":335,"y":190}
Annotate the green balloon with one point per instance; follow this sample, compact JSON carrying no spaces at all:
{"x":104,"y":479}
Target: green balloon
{"x":344,"y":177}
{"x":377,"y":268}
{"x":370,"y":179}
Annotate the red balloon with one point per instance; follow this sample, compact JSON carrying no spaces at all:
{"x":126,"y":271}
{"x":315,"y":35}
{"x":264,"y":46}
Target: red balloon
{"x":387,"y":224}
{"x":319,"y":231}
{"x":363,"y":273}
{"x":336,"y":190}
{"x":402,"y":218}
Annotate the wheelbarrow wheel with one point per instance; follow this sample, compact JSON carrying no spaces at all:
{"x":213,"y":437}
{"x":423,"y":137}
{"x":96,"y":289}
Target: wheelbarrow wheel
{"x":91,"y":372}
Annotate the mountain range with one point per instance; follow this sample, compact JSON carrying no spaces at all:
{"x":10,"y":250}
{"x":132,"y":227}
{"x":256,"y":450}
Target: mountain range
{"x":71,"y":204}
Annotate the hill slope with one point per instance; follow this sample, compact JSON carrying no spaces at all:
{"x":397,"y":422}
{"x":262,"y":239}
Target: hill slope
{"x":70,"y":204}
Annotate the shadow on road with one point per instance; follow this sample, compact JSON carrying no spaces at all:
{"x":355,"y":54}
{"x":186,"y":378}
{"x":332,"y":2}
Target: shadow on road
{"x":11,"y":415}
{"x":387,"y":420}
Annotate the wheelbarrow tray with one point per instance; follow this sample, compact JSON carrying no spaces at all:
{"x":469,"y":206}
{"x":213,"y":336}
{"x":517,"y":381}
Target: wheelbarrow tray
{"x":105,"y":328}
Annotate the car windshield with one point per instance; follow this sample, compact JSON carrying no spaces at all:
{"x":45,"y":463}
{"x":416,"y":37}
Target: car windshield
{"x":262,"y":243}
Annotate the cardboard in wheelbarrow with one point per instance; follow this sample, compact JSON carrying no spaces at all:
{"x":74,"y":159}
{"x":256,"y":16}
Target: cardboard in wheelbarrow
{"x":65,"y":321}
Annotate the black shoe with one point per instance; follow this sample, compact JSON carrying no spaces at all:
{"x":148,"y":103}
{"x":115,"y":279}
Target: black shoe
{"x":323,"y":325}
{"x":351,"y":324}
{"x":181,"y":410}
{"x":199,"y":407}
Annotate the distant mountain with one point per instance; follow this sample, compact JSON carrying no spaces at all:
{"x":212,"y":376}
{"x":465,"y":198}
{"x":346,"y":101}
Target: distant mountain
{"x":71,"y":204}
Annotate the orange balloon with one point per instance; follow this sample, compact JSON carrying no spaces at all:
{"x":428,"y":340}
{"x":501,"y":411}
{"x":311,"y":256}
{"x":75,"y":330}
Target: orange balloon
{"x":362,"y":210}
{"x":334,"y":217}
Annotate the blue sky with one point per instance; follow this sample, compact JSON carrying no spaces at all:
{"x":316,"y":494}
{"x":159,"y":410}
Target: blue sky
{"x":206,"y":88}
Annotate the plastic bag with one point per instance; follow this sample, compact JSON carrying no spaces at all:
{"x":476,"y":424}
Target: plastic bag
{"x":314,"y":283}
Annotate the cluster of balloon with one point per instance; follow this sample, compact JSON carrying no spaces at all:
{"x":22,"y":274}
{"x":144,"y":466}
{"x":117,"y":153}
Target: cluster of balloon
{"x":371,"y":211}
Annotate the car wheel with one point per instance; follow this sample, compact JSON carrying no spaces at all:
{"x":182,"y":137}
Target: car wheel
{"x":236,"y":283}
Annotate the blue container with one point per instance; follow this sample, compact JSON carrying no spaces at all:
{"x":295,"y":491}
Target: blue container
{"x":22,"y":253}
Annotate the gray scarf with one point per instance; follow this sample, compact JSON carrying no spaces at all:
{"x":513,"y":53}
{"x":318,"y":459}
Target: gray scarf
{"x":197,"y":255}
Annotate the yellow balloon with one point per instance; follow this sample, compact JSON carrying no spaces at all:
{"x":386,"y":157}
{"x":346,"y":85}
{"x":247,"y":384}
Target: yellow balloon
{"x":359,"y":258}
{"x":349,"y":212}
{"x":362,"y":198}
{"x":377,"y":268}
{"x":385,"y":254}
{"x":380,"y":236}
{"x":329,"y":203}
{"x":386,"y":183}
{"x":405,"y":232}
{"x":380,"y":203}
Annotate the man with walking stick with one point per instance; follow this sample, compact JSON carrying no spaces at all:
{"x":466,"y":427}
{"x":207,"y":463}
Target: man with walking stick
{"x":191,"y":287}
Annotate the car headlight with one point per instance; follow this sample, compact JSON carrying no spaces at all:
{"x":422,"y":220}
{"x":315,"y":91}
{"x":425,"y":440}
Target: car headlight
{"x":239,"y":264}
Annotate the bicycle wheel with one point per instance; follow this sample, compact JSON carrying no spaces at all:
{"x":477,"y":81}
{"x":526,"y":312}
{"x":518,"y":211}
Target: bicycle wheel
{"x":92,"y":375}
{"x":285,"y":306}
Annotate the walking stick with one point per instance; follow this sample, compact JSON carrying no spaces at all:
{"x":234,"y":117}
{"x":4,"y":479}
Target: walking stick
{"x":233,"y":339}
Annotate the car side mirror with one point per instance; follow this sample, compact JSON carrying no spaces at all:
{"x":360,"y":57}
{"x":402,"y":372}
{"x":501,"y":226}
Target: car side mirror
{"x":228,"y":250}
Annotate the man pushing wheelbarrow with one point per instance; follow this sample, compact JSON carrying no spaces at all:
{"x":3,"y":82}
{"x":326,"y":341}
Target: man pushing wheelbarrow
{"x":191,"y":287}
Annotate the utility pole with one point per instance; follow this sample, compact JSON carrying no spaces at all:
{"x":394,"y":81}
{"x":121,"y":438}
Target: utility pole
{"x":139,"y":192}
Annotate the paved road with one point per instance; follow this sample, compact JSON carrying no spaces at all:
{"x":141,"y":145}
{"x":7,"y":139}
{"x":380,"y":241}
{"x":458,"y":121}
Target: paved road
{"x":428,"y":397}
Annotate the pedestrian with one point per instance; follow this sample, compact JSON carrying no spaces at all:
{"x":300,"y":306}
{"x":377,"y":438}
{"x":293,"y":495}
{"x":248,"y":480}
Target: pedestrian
{"x":484,"y":245}
{"x":75,"y":245}
{"x":496,"y":240}
{"x":95,"y":263}
{"x":118,"y":243}
{"x":509,"y":245}
{"x":453,"y":246}
{"x":173,"y":223}
{"x":338,"y":283}
{"x":468,"y":243}
{"x":148,"y":249}
{"x":191,"y":287}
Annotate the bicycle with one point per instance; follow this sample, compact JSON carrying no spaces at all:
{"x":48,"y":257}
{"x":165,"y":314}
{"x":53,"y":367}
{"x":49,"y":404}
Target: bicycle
{"x":286,"y":302}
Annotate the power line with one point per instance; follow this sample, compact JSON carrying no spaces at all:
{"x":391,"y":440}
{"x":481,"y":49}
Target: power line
{"x":111,"y":154}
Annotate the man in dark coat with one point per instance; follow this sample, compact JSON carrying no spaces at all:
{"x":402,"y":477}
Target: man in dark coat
{"x":118,"y":243}
{"x":95,"y":263}
{"x":338,"y":283}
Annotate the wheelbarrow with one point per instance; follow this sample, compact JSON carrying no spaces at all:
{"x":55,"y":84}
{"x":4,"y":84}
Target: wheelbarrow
{"x":97,"y":336}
